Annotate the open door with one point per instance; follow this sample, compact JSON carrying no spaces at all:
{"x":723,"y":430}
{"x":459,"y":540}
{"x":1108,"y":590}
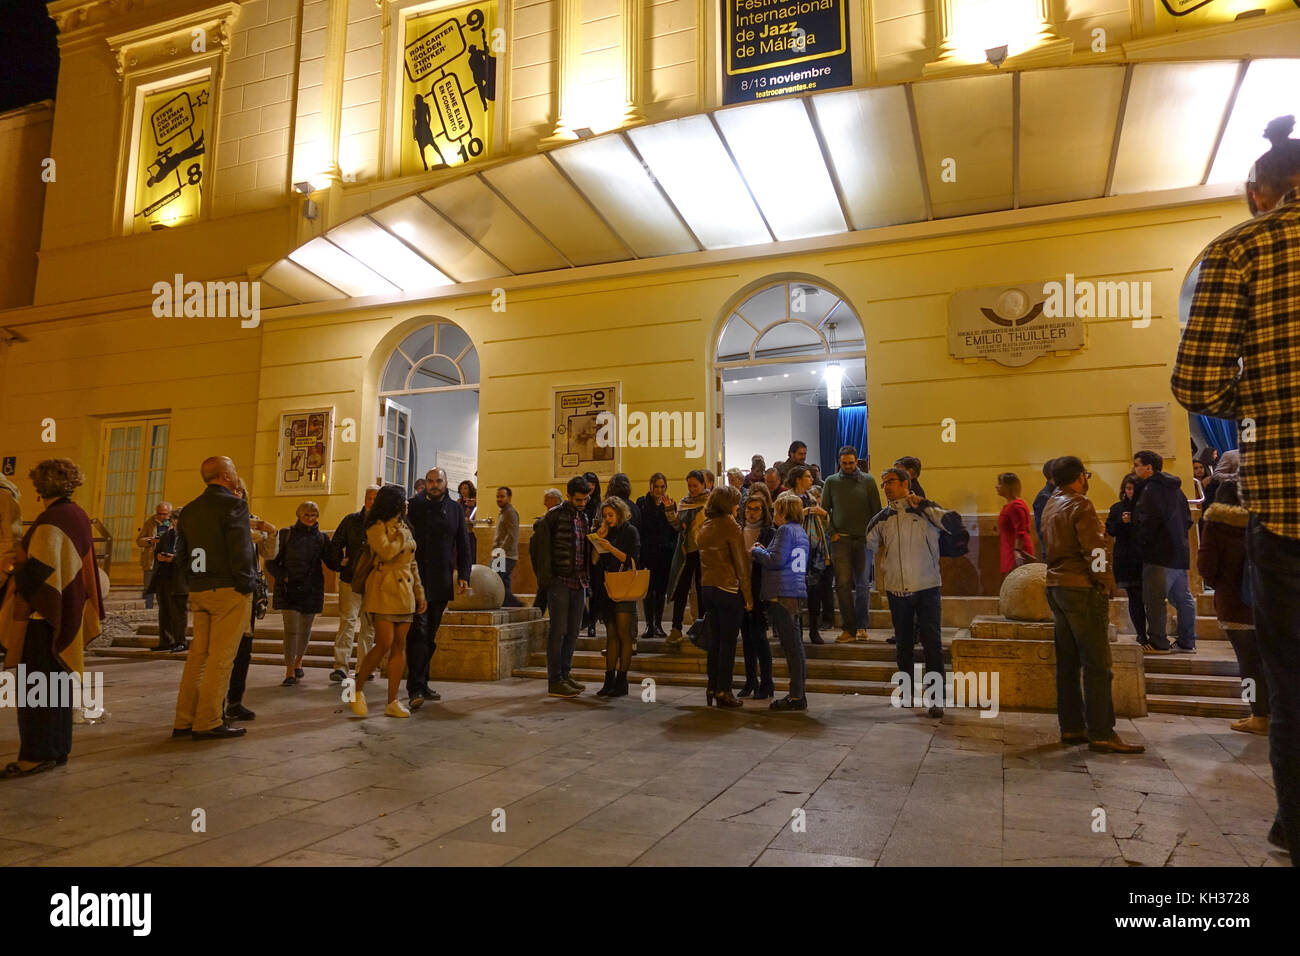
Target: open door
{"x":395,"y":447}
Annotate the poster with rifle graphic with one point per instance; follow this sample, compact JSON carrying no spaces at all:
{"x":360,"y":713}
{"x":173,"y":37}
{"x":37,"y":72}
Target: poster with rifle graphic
{"x":171,"y":157}
{"x":449,"y":80}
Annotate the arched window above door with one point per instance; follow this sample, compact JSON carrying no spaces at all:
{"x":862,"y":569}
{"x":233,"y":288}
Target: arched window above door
{"x":790,"y":319}
{"x":436,"y":357}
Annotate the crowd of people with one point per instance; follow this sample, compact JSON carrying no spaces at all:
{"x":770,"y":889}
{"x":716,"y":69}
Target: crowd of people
{"x":751,"y":551}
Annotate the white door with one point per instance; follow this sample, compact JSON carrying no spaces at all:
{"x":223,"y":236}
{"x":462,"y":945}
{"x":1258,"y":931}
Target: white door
{"x":395,"y":443}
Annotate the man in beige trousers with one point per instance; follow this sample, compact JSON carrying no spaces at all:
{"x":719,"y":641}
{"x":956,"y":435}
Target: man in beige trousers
{"x":217,"y":566}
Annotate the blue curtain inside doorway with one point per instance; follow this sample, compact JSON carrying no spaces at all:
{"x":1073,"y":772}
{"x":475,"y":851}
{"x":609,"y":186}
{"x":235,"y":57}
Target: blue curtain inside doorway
{"x":1221,"y":432}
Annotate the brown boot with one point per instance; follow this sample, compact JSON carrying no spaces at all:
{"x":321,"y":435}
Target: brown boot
{"x":1116,"y":745}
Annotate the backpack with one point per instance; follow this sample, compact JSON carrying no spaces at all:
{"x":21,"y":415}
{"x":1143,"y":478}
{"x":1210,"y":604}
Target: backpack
{"x":954,"y":539}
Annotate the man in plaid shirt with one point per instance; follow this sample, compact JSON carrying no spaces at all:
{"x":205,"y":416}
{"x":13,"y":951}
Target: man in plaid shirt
{"x":1240,"y":358}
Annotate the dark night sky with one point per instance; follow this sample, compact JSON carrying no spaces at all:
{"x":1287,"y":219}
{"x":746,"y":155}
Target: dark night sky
{"x":29,"y":53}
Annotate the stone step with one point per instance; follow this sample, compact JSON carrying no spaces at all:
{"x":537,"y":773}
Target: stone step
{"x":593,"y":677}
{"x":325,"y":626}
{"x":1201,"y":663}
{"x":874,"y":650}
{"x":846,"y":672}
{"x":1197,"y":706}
{"x":1193,"y":685}
{"x":144,"y":654}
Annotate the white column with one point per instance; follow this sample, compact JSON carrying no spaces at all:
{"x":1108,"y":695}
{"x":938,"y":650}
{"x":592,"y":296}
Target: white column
{"x":632,"y":40}
{"x":570,"y":35}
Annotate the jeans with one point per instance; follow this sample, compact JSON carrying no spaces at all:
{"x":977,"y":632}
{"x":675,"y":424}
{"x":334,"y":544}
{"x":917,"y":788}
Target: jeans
{"x":1157,"y":584}
{"x":918,"y":614}
{"x":509,"y":600}
{"x":297,"y":633}
{"x":1245,"y":645}
{"x":758,"y":653}
{"x":421,"y":642}
{"x":1137,"y":611}
{"x":690,"y":574}
{"x":351,"y":618}
{"x":1275,"y":582}
{"x":565,"y":605}
{"x":44,"y":731}
{"x":784,"y":615}
{"x":724,"y":611}
{"x":852,"y":563}
{"x":1083,"y":641}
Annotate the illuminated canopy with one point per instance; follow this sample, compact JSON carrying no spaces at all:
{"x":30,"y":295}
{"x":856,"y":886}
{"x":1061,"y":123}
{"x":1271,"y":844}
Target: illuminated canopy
{"x":798,"y":168}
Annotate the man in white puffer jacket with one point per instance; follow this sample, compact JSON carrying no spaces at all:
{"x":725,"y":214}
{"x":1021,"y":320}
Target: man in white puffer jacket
{"x":905,"y":539}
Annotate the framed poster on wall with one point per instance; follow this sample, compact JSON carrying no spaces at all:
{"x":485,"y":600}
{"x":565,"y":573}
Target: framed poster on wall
{"x":304,"y":451}
{"x":577,"y":445}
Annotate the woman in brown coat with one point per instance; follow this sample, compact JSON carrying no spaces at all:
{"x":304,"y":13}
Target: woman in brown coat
{"x":393,"y":595}
{"x":725,"y":589}
{"x":1222,"y":562}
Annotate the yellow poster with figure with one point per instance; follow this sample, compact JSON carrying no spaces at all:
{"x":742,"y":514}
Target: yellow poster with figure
{"x":449,"y":80}
{"x":170,"y":156}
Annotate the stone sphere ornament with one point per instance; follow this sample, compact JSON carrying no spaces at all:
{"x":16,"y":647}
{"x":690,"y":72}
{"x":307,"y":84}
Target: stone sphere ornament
{"x":1024,"y":594}
{"x":486,"y":591}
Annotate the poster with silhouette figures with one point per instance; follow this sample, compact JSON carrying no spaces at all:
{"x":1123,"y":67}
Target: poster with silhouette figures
{"x":171,"y":158}
{"x":304,"y":452}
{"x":1189,"y":14}
{"x":449,"y":86}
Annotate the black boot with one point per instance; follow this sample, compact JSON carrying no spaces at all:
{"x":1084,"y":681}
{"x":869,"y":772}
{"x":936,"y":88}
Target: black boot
{"x":607,"y":688}
{"x":620,"y":685}
{"x":748,"y":690}
{"x":814,"y":637}
{"x":765,"y":690}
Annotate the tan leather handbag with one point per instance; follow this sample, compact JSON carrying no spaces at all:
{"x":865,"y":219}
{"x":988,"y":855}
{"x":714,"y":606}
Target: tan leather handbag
{"x":627,"y":585}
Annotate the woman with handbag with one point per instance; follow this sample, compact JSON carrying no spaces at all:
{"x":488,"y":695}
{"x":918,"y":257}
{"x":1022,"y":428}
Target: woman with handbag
{"x":726,"y":592}
{"x":756,"y":528}
{"x":617,"y":603}
{"x":1014,"y":522}
{"x":303,"y":552}
{"x":390,"y":580}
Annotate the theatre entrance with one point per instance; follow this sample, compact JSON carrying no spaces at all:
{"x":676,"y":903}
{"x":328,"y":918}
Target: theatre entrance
{"x":429,"y":407}
{"x":790,"y":364}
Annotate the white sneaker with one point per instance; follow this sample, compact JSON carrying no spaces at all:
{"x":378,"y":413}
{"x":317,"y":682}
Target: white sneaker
{"x":396,"y":709}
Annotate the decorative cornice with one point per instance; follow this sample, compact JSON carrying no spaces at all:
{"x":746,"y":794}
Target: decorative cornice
{"x":171,"y":41}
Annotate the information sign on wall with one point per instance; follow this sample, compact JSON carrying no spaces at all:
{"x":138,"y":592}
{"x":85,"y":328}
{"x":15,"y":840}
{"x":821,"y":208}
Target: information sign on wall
{"x":778,"y":47}
{"x":575,"y":428}
{"x":305,"y":447}
{"x":1151,"y":428}
{"x":1007,"y":325}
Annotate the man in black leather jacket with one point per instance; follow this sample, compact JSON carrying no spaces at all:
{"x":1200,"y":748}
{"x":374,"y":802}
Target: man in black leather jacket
{"x":441,"y":547}
{"x":215,"y":563}
{"x":564,"y":557}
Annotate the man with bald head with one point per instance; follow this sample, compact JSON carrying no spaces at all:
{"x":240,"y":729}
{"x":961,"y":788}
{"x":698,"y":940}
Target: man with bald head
{"x":216,"y":564}
{"x":442,"y":547}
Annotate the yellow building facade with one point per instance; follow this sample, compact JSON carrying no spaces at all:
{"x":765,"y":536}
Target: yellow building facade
{"x":299,"y":132}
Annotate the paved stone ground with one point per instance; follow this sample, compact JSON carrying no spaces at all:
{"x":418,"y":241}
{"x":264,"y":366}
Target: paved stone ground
{"x":625,"y":782}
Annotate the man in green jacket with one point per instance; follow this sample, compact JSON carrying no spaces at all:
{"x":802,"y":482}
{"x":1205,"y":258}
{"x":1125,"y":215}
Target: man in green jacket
{"x":852,"y":499}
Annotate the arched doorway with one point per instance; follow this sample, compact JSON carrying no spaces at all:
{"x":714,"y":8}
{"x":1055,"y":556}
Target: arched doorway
{"x":428,"y":397}
{"x":790,"y":364}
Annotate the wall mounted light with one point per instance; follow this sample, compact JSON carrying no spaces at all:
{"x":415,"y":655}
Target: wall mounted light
{"x":309,"y":208}
{"x":997,"y":55}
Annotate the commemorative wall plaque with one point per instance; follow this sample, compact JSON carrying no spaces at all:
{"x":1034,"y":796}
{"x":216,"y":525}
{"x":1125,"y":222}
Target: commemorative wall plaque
{"x":1007,"y":324}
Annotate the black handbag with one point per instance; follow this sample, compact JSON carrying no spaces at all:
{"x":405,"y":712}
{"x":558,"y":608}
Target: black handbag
{"x":700,"y":633}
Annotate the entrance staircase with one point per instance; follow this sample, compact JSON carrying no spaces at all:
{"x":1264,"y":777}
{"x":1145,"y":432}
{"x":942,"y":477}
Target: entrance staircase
{"x":1205,"y":684}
